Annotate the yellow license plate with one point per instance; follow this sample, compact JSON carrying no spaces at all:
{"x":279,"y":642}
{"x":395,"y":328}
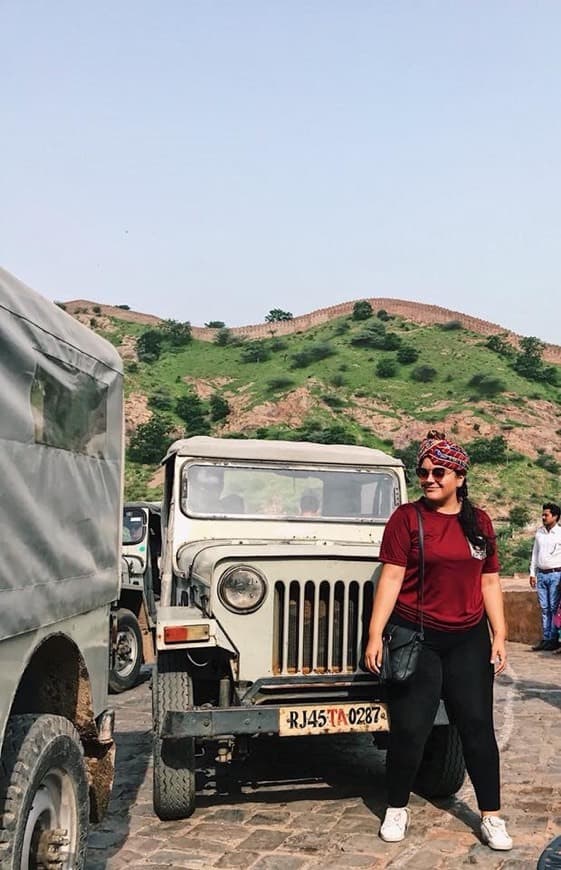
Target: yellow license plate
{"x":332,"y":719}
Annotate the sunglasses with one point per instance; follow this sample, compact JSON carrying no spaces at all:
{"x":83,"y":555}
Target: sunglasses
{"x":437,"y":472}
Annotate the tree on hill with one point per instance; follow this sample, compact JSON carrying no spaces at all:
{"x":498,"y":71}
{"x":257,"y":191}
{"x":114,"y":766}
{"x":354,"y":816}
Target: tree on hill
{"x":176,"y":332}
{"x":151,"y":440}
{"x":149,"y":345}
{"x":219,"y":407}
{"x":276,"y":315}
{"x":215,"y":324}
{"x":223,"y":337}
{"x":528,"y":362}
{"x":407,"y":355}
{"x":362,"y":310}
{"x":193,"y":413}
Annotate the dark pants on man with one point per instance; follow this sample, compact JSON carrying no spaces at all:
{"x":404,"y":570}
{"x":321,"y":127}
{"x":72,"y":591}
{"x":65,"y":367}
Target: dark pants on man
{"x":455,"y":666}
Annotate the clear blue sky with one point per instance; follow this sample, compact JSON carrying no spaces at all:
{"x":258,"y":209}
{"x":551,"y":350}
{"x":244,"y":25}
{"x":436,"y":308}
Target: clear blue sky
{"x":213,"y":160}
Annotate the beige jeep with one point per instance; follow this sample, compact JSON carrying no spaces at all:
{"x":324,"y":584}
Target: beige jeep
{"x":270,"y":554}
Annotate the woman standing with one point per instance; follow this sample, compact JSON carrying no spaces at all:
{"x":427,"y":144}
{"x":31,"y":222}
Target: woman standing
{"x":462,"y":599}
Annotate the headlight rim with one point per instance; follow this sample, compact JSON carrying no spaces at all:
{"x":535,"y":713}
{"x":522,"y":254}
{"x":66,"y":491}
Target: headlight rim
{"x":242,"y":611}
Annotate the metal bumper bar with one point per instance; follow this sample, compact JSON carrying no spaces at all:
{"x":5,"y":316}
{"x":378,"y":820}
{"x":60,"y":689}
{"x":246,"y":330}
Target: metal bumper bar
{"x":233,"y":721}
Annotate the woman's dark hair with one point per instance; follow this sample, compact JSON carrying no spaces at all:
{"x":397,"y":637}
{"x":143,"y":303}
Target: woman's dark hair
{"x":470,"y":524}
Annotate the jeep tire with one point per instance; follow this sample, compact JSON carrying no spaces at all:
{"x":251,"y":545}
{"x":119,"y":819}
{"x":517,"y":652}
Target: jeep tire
{"x":442,"y":771}
{"x":174,"y":760}
{"x":128,"y":655}
{"x":44,"y":800}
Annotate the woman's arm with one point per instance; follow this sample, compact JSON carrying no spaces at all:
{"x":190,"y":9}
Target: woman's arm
{"x":494,"y":608}
{"x":386,"y":595}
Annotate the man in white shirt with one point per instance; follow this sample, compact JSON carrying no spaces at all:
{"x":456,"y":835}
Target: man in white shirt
{"x":545,"y":573}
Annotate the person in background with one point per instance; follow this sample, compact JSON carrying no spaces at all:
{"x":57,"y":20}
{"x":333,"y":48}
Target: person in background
{"x":464,"y":634}
{"x":545,"y":573}
{"x":309,"y":505}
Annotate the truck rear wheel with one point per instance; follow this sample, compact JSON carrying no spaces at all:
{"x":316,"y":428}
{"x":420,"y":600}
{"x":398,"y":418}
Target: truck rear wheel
{"x":44,"y":800}
{"x":174,"y":760}
{"x":442,"y":771}
{"x":128,"y":653}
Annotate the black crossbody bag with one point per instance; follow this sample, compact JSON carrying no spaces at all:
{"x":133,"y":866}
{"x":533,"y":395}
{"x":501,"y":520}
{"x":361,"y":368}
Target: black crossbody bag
{"x":402,"y":646}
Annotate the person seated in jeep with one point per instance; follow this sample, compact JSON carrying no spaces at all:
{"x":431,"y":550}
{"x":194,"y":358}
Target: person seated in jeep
{"x":206,"y":484}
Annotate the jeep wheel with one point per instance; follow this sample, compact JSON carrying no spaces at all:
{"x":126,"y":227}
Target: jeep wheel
{"x":44,"y":801}
{"x":442,"y":771}
{"x":174,"y":760}
{"x":128,"y":653}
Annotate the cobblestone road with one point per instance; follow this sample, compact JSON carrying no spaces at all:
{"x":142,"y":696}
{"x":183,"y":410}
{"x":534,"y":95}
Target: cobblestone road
{"x":309,"y":803}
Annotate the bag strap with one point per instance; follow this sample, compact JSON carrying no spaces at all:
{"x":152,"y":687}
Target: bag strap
{"x":421,"y":595}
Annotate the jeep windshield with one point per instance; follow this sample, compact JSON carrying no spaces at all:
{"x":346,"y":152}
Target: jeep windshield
{"x":289,"y":493}
{"x":134,"y":525}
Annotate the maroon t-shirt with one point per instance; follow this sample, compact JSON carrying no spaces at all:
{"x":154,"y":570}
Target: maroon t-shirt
{"x":453,"y":599}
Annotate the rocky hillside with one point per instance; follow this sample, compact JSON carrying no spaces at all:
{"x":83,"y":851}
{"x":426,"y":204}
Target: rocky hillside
{"x":381,"y":379}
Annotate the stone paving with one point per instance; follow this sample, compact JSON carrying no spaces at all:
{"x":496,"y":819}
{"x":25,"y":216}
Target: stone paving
{"x":317,"y":802}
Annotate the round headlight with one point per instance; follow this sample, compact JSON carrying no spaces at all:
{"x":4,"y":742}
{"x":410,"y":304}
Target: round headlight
{"x":242,"y":589}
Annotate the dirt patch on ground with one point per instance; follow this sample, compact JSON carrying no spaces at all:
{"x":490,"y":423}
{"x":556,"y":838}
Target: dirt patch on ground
{"x":536,"y":425}
{"x":136,"y":412}
{"x":95,"y":321}
{"x":127,"y":348}
{"x":78,"y":307}
{"x":205,"y":387}
{"x":291,"y":409}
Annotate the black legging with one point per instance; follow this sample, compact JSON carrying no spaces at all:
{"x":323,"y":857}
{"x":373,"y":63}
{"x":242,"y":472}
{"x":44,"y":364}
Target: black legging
{"x":456,"y":667}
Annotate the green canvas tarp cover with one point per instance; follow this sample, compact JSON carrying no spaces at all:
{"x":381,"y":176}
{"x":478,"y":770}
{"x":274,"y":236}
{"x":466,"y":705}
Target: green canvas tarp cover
{"x":61,"y":437}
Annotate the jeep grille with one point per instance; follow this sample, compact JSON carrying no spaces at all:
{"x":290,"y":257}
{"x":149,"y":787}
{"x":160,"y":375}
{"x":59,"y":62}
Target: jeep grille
{"x":319,"y":626}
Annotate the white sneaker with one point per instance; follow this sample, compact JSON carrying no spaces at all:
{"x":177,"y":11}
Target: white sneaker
{"x":494,"y":833}
{"x":395,"y":824}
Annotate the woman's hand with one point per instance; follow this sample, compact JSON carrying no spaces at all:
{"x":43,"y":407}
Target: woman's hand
{"x":373,"y":654}
{"x":498,"y":654}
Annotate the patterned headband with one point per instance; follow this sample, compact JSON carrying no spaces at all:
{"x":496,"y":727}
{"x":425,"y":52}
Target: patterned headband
{"x":443,"y":452}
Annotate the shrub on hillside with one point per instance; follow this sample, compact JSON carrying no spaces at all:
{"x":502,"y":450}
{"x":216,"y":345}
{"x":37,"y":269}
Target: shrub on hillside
{"x":223,"y":337}
{"x":513,"y":557}
{"x":124,"y":307}
{"x":519,"y":516}
{"x":487,"y":385}
{"x":215,"y":324}
{"x":424,"y":374}
{"x":548,"y":463}
{"x":176,"y":333}
{"x":451,"y":325}
{"x":161,"y":400}
{"x":333,"y":401}
{"x":407,"y":354}
{"x":311,"y":354}
{"x":255,"y":352}
{"x":338,"y":380}
{"x":341,"y":327}
{"x":149,"y":345}
{"x":375,"y":336}
{"x":362,"y":310}
{"x":313,"y":430}
{"x":192,"y":412}
{"x":408,"y":456}
{"x":280,"y":383}
{"x":488,"y":450}
{"x":382,"y":314}
{"x":96,"y":309}
{"x":219,"y":408}
{"x":499,"y":345}
{"x":277,"y":344}
{"x":386,"y":368}
{"x":151,"y":440}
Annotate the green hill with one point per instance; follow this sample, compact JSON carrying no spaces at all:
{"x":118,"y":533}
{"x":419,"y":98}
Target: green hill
{"x":381,"y":381}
